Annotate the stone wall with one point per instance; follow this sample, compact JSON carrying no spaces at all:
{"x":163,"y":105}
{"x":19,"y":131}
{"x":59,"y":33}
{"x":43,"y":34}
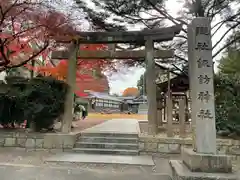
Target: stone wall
{"x":37,"y":141}
{"x":143,"y":124}
{"x":151,"y":144}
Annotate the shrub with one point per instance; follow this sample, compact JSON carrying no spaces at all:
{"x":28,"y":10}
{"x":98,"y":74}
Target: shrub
{"x":44,"y":101}
{"x":10,"y":98}
{"x":39,"y":100}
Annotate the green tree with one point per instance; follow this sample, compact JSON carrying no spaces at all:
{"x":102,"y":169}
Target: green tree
{"x":230,"y":64}
{"x":121,"y":12}
{"x":227,"y":98}
{"x":227,"y":91}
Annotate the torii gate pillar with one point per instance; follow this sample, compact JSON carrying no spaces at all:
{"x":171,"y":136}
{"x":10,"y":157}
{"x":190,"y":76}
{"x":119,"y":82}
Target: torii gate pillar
{"x":151,"y":87}
{"x":71,"y":81}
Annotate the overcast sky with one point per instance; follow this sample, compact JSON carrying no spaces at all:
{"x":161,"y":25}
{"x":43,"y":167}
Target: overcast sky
{"x":121,"y":81}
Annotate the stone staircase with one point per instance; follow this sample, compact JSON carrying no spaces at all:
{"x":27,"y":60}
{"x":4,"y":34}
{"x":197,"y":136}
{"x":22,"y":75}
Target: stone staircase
{"x":107,"y":143}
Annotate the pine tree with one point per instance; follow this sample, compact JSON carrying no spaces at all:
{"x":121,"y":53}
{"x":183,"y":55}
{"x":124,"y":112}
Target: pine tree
{"x":153,"y":14}
{"x":113,"y":15}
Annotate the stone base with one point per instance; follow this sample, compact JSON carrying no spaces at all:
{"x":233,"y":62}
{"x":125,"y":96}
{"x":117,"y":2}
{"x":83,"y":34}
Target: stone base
{"x":181,"y":172}
{"x":162,"y":129}
{"x":152,"y":129}
{"x":207,"y":163}
{"x":143,"y":109}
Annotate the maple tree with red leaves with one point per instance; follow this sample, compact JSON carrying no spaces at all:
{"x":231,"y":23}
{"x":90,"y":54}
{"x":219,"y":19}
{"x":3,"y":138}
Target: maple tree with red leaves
{"x":89,"y":72}
{"x":27,"y":30}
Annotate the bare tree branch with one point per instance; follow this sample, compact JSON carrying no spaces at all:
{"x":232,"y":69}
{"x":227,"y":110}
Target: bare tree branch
{"x":223,"y":36}
{"x":217,"y":29}
{"x":226,"y":20}
{"x":30,"y":58}
{"x":179,"y":69}
{"x":181,"y":58}
{"x":166,"y":15}
{"x":226,"y":46}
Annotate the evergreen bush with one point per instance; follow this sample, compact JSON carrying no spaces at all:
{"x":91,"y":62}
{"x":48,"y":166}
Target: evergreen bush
{"x":227,"y":98}
{"x":39,"y":101}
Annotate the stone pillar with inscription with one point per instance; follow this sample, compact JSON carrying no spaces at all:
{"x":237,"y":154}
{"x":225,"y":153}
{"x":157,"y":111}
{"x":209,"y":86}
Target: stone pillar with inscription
{"x":202,"y":162}
{"x":203,"y":102}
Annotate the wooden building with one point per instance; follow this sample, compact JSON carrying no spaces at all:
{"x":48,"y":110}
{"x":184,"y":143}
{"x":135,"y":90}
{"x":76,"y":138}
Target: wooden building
{"x":131,"y":103}
{"x":99,"y":101}
{"x":177,"y":88}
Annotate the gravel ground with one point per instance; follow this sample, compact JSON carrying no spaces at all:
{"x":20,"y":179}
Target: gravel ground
{"x":81,"y":124}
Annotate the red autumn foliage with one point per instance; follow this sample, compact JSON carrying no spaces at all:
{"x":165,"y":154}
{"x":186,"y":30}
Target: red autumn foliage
{"x":85,"y":78}
{"x":24,"y":24}
{"x":29,"y":30}
{"x":28,"y":23}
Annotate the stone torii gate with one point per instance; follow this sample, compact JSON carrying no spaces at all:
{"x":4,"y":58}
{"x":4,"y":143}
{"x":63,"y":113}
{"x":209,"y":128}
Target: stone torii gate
{"x":145,"y":37}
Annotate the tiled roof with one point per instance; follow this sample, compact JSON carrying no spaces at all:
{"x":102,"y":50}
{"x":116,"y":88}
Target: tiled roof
{"x":127,"y":97}
{"x":106,"y":96}
{"x":134,"y":99}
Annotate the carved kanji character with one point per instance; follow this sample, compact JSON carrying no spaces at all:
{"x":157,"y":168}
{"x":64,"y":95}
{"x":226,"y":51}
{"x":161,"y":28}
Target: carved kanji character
{"x":203,"y":63}
{"x":203,"y":79}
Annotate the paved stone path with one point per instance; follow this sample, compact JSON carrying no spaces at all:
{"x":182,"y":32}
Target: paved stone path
{"x":104,"y":159}
{"x":43,"y":173}
{"x":16,"y":164}
{"x":82,"y":124}
{"x":116,"y":126}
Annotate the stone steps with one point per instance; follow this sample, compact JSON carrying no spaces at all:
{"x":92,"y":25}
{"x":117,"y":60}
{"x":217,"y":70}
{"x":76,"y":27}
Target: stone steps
{"x":106,"y":151}
{"x":109,"y":134}
{"x":94,"y":139}
{"x":107,"y":143}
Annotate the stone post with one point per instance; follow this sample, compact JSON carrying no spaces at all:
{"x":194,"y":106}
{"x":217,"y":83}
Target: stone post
{"x":192,"y":87}
{"x":159,"y":114}
{"x":202,"y":105}
{"x":151,"y":87}
{"x":165,"y":109}
{"x":71,"y":81}
{"x":159,"y":117}
{"x":182,"y":114}
{"x":169,"y":115}
{"x":204,"y":163}
{"x":169,"y":109}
